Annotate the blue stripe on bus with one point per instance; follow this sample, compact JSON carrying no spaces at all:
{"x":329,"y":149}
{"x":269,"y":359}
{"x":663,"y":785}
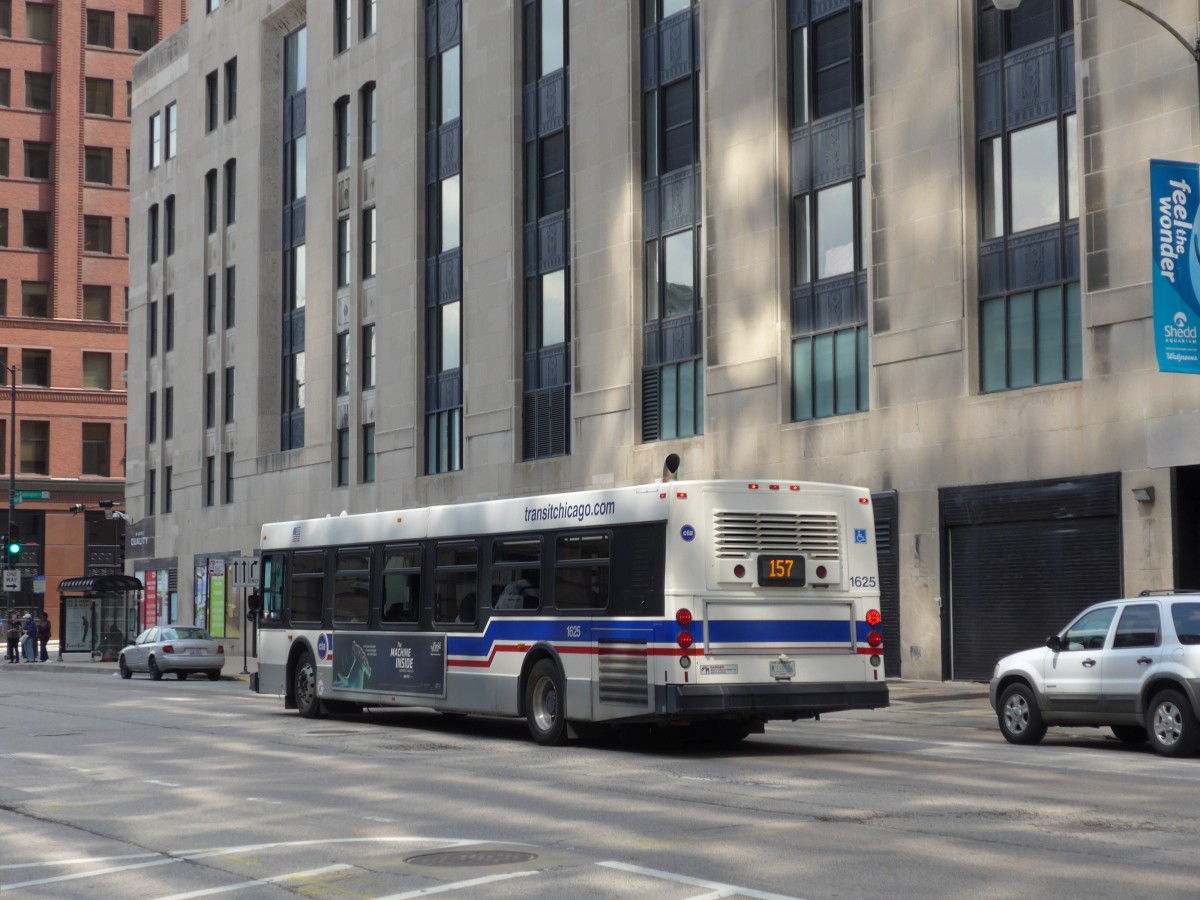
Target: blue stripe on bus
{"x":767,"y":631}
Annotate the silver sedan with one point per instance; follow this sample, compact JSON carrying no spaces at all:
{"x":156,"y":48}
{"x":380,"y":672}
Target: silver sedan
{"x":182,"y":649}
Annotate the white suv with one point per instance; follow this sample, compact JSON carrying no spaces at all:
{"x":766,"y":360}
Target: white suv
{"x":1133,"y":665}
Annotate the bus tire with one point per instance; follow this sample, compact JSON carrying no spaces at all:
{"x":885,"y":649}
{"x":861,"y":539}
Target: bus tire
{"x":304,"y":687}
{"x":545,"y":704}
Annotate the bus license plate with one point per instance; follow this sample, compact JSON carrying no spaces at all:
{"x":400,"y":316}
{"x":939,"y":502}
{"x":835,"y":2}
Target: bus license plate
{"x":783,"y":668}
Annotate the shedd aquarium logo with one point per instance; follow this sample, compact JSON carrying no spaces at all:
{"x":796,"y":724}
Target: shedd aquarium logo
{"x":1179,"y":330}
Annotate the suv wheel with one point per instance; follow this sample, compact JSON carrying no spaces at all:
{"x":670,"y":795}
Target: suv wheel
{"x":1171,"y":725}
{"x":1019,"y":716}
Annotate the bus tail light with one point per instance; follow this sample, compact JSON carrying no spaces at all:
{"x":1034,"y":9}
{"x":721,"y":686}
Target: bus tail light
{"x":873,"y":618}
{"x":874,"y":638}
{"x":685,"y":639}
{"x":739,"y":571}
{"x":821,"y":572}
{"x":683,"y":618}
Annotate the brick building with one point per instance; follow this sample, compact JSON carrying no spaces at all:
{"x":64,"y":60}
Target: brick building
{"x":65,"y":102}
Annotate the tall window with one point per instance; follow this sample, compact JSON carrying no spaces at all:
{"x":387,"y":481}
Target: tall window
{"x":341,"y":25}
{"x":368,"y":453}
{"x":341,"y":128}
{"x":231,"y":89}
{"x":443,"y":209}
{"x":97,"y":303}
{"x":292,"y":376}
{"x":39,"y":22}
{"x":546,"y":364}
{"x":98,"y":97}
{"x":367,"y":239}
{"x":172,"y":147}
{"x":210,"y":201}
{"x":35,"y":299}
{"x":37,"y":160}
{"x":673,"y":324}
{"x":367,"y":105}
{"x":1029,"y":314}
{"x":97,"y":165}
{"x":156,"y":146}
{"x":39,"y":91}
{"x":211,"y":97}
{"x":169,"y":323}
{"x":210,"y":304}
{"x":210,"y":480}
{"x":230,"y":295}
{"x":169,"y":226}
{"x":343,"y":251}
{"x":141,"y":32}
{"x":97,"y":234}
{"x":343,"y":457}
{"x":230,"y":191}
{"x":210,"y":399}
{"x":152,"y":329}
{"x":368,"y":357}
{"x":342,"y":375}
{"x":99,"y":28}
{"x":96,"y":443}
{"x":35,"y":448}
{"x":152,"y":233}
{"x":97,"y":371}
{"x":829,"y":251}
{"x":368,"y":18}
{"x":228,"y":405}
{"x":228,"y":489}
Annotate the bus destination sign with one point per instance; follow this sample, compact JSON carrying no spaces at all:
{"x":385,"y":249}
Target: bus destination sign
{"x":778,"y":570}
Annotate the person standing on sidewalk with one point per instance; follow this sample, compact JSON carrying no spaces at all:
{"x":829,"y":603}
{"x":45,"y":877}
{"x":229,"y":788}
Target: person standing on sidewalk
{"x":43,"y":633}
{"x":13,"y":636}
{"x":29,"y":645}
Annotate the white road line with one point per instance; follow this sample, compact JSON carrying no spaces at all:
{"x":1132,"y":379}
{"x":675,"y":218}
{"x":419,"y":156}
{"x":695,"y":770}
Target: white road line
{"x":78,"y":861}
{"x":457,"y":886}
{"x":58,"y":879}
{"x":275,"y":879}
{"x":162,"y":783}
{"x":721,"y":890}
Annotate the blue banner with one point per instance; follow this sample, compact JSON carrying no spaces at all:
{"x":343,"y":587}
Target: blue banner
{"x":1174,"y":214}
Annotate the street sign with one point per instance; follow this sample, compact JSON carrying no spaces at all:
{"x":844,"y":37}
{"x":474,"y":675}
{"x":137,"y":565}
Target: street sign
{"x":39,"y":584}
{"x":18,"y":496}
{"x":242,"y":572}
{"x":12,"y":579}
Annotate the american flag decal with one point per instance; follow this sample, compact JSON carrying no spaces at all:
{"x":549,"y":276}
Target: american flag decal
{"x":296,"y":535}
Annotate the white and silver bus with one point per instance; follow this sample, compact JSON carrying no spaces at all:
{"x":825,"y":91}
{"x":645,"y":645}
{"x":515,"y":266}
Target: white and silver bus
{"x":717,"y":605}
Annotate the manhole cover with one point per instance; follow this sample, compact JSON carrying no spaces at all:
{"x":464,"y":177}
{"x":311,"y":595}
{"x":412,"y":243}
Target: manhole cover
{"x":454,"y":858}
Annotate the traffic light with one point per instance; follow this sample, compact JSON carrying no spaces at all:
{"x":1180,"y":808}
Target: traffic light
{"x":14,"y":541}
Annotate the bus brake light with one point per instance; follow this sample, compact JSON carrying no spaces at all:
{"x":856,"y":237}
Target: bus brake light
{"x":821,"y":571}
{"x":873,"y":618}
{"x":874,"y":638}
{"x":685,"y":639}
{"x":683,"y":618}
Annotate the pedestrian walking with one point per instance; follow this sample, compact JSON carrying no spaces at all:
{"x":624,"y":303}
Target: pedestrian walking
{"x":29,"y":644}
{"x":13,"y":635}
{"x":43,"y":633}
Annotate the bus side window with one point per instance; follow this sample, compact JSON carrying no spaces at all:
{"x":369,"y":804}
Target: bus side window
{"x":581,"y":571}
{"x":352,"y":586}
{"x":274,"y":577}
{"x":516,"y":573}
{"x":455,"y":581}
{"x":401,"y":585}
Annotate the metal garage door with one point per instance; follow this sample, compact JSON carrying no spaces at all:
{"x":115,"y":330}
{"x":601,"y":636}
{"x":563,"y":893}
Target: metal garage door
{"x":1020,"y":560}
{"x":887,"y":544}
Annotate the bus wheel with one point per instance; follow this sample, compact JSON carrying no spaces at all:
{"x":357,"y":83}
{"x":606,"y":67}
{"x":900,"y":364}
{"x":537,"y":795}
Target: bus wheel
{"x":304,"y":687}
{"x":545,"y":704}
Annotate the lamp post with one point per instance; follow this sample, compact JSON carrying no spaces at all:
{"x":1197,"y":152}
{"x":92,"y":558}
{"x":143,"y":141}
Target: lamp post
{"x":11,"y":372}
{"x":1192,"y":49}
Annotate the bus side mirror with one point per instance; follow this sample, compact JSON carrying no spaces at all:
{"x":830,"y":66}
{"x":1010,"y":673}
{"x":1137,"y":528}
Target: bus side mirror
{"x":254,"y":603}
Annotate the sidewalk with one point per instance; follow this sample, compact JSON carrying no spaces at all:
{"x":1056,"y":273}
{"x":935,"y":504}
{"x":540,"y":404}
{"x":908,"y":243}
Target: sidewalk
{"x":81,"y":664}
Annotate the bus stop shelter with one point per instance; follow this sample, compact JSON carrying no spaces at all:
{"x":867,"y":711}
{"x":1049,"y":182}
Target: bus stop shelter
{"x":98,"y":614}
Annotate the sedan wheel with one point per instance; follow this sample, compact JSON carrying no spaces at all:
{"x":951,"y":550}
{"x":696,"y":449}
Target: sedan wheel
{"x":155,"y":672}
{"x":182,"y":676}
{"x":124,"y":667}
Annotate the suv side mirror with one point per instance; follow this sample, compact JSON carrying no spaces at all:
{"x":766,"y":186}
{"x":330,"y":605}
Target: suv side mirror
{"x":1054,"y":642}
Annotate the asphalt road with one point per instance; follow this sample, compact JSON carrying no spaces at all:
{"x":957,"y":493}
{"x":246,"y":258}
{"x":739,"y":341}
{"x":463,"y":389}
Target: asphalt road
{"x":137,"y":789}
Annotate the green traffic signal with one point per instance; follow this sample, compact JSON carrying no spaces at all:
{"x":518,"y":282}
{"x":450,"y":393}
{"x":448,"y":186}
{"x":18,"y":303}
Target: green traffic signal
{"x":14,"y":541}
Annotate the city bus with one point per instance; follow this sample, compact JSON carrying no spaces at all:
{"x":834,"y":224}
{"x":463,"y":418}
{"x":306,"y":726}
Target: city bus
{"x":718,"y":605}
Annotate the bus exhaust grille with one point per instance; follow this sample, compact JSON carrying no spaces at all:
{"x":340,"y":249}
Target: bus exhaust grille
{"x":624,"y":677}
{"x":740,"y":534}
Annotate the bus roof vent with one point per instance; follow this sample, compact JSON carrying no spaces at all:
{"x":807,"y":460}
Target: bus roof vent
{"x":739,"y":534}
